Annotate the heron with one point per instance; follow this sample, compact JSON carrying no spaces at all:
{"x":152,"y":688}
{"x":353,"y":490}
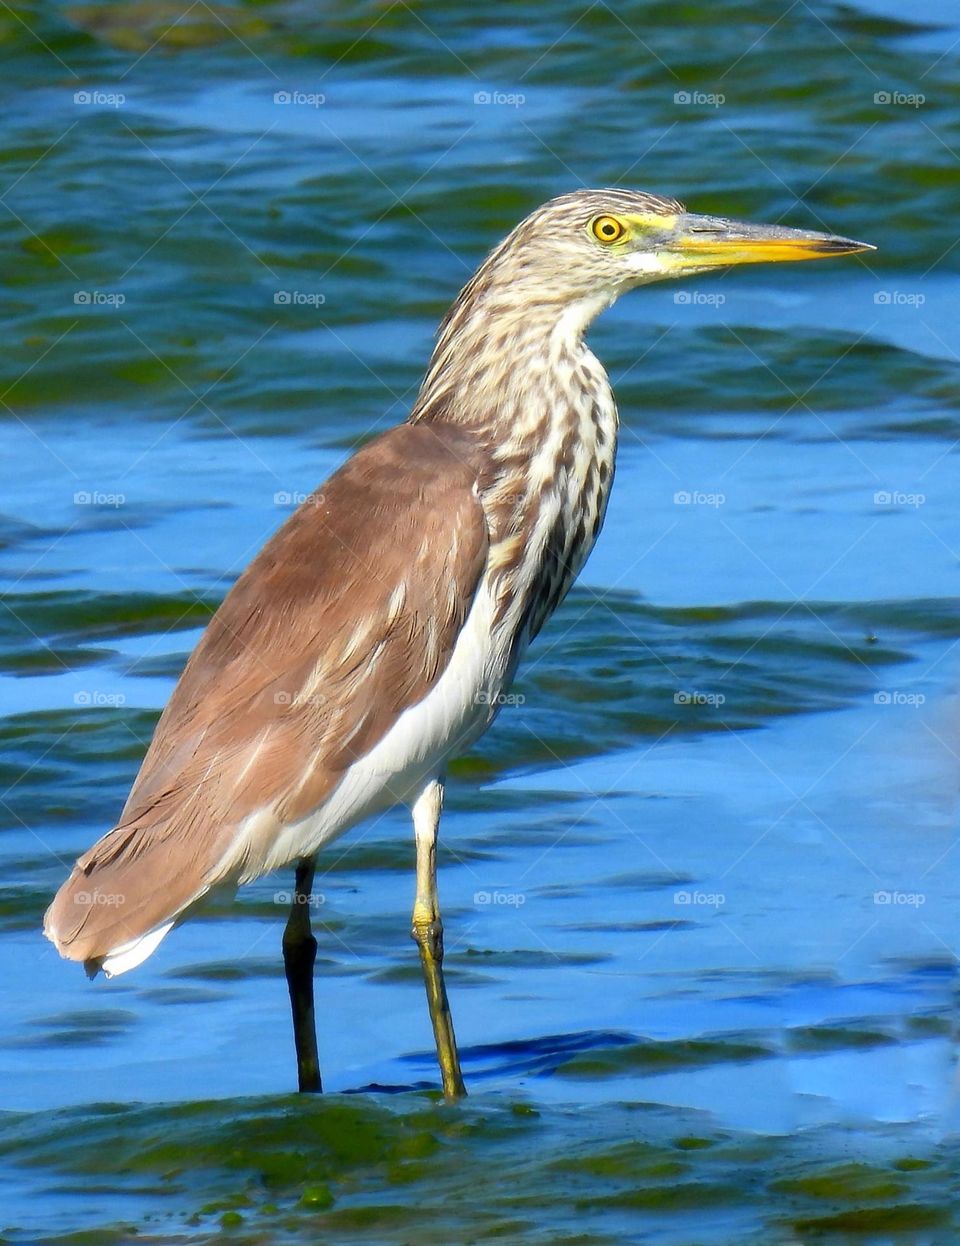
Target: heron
{"x":374,"y":636}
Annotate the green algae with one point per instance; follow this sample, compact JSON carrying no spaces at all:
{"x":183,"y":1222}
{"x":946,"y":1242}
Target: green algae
{"x":382,"y":1168}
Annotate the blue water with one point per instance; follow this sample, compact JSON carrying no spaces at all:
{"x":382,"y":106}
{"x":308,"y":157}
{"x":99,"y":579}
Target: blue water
{"x":702,"y":881}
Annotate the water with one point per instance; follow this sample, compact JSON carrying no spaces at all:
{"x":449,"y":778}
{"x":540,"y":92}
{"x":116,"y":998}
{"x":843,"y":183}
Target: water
{"x":699,"y":884}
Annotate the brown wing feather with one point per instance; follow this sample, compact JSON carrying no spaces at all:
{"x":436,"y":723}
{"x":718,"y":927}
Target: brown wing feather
{"x":347,"y":616}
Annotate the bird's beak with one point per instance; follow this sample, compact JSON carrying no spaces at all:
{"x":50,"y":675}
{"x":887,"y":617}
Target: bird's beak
{"x":704,"y":242}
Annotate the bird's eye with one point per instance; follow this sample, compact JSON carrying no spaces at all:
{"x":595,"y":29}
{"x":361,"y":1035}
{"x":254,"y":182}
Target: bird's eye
{"x":607,"y":229}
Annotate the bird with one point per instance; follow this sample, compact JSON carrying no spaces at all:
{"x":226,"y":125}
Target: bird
{"x":375,"y":635}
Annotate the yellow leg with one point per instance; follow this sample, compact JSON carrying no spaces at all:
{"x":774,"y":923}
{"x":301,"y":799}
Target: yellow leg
{"x":299,"y":955}
{"x":428,"y":936}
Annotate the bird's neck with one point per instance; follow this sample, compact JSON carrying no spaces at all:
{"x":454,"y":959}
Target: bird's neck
{"x":539,"y":406}
{"x":503,"y":364}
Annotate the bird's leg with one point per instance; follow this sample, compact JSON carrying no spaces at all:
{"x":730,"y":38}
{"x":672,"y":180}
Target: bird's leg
{"x":299,"y":955}
{"x":428,"y":935}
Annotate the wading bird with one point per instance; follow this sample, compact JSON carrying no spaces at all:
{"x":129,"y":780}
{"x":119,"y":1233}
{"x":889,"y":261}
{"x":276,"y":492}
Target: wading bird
{"x":374,"y":636}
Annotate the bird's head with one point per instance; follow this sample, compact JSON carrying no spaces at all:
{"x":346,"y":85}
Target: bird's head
{"x":599,"y":243}
{"x":571,"y":258}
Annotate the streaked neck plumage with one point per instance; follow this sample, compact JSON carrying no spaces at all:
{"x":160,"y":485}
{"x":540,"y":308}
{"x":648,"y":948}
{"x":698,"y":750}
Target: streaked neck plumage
{"x":499,"y":353}
{"x":516,"y":374}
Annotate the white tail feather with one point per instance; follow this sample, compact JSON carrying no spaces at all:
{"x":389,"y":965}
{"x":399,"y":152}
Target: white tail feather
{"x":129,"y":955}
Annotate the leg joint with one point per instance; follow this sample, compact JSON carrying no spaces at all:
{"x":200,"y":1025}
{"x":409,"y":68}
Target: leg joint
{"x":297,"y":946}
{"x":427,"y":933}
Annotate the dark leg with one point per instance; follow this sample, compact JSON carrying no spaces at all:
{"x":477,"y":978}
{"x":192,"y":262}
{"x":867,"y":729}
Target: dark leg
{"x":299,"y":955}
{"x":428,"y":935}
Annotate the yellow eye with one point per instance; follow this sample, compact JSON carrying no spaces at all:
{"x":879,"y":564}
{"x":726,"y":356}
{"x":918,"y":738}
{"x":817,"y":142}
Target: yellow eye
{"x":607,"y":229}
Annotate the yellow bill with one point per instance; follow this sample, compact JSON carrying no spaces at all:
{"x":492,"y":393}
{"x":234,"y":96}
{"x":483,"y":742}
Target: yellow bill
{"x":704,"y":242}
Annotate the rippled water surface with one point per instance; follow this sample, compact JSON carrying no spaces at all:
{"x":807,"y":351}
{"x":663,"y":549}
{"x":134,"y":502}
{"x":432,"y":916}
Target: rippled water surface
{"x":700,"y":883}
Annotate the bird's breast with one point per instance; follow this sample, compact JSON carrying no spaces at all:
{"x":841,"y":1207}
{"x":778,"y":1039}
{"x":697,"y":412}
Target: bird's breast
{"x":547,"y":506}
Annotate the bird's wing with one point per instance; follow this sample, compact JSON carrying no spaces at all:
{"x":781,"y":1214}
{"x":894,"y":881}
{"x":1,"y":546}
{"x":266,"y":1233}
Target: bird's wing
{"x":346,"y":618}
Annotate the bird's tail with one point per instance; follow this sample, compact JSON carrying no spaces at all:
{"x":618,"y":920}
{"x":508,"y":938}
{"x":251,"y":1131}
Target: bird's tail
{"x":122,"y":897}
